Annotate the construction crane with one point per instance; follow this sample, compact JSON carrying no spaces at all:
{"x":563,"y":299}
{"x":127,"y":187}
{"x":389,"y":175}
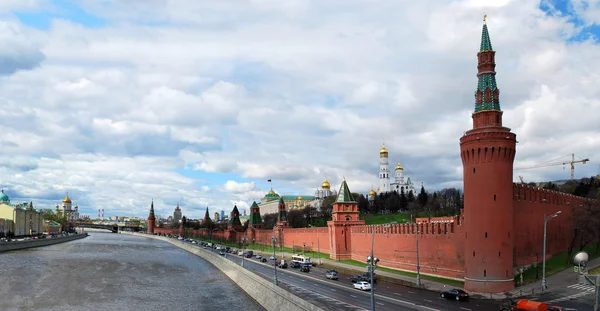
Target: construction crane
{"x":572,"y":163}
{"x":521,"y":178}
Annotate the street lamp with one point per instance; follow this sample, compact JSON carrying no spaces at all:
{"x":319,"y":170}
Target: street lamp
{"x":303,"y":248}
{"x":372,"y":262}
{"x":546,"y":218}
{"x":418,"y":265}
{"x":274,"y":239}
{"x":244,"y":240}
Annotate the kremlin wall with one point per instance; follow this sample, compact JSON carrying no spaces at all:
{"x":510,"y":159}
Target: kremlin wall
{"x":499,"y":230}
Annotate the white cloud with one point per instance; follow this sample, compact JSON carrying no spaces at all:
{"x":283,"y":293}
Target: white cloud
{"x":204,"y":101}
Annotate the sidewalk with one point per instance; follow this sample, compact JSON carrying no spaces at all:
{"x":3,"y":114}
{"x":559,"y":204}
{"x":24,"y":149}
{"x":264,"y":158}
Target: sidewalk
{"x":557,"y":281}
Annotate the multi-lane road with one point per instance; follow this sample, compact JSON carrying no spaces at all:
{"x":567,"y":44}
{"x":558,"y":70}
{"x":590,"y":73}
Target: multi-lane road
{"x":340,"y":294}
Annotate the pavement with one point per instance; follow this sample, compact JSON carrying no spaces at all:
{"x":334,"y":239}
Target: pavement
{"x":561,"y":287}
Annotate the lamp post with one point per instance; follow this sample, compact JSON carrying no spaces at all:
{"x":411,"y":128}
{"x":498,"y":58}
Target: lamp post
{"x":319,"y":249}
{"x":274,"y":239}
{"x":244,"y":240}
{"x":418,"y":264}
{"x":303,"y":248}
{"x":372,"y":262}
{"x":546,"y":218}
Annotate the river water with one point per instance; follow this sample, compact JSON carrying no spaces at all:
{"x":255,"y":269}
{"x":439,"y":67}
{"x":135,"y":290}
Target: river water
{"x":108,"y":271}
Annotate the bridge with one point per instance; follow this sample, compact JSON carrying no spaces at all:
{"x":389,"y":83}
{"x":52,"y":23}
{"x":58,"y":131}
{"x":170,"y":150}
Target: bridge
{"x":113,"y":228}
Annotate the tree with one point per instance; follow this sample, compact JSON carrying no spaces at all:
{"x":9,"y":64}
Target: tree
{"x":403,"y":201}
{"x":269,"y":220}
{"x":327,"y":206}
{"x":295,"y":218}
{"x":411,"y":197}
{"x":422,"y":197}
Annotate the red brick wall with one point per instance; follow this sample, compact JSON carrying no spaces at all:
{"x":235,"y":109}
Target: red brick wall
{"x":315,"y":238}
{"x":441,"y":247}
{"x":530,"y":205}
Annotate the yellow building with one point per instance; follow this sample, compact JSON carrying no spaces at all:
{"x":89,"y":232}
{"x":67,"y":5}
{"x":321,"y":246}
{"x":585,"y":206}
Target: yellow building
{"x":26,"y":220}
{"x":5,"y":226}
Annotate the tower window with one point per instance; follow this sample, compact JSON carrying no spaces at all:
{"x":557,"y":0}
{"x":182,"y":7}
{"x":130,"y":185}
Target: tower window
{"x":498,"y":254}
{"x":473,"y":170}
{"x":473,"y":253}
{"x":486,"y":235}
{"x":484,"y":273}
{"x":494,"y":197}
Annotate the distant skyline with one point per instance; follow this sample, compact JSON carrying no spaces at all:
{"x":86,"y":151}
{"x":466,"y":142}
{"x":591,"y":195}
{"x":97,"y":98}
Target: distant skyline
{"x":119,"y":102}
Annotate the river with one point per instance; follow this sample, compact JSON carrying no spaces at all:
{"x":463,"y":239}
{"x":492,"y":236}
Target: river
{"x":108,"y":271}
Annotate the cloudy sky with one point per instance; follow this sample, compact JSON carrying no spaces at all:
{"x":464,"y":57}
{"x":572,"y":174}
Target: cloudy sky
{"x":200,"y":102}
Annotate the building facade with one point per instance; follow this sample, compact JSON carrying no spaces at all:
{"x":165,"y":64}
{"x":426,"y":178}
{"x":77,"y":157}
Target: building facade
{"x":71,"y":213}
{"x":177,"y":214}
{"x":269,"y":204}
{"x":20,"y":219}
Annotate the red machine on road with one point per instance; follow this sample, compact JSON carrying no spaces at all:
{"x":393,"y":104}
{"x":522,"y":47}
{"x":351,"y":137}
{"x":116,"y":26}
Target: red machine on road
{"x":524,"y":305}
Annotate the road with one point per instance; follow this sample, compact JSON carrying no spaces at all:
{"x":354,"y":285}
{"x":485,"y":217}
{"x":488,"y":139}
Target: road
{"x":340,"y":295}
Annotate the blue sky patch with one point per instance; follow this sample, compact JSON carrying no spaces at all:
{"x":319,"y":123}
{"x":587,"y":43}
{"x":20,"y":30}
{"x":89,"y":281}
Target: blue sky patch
{"x":60,"y":9}
{"x":565,"y":8}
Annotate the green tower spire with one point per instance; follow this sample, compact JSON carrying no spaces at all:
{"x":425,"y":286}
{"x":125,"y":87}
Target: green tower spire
{"x":487,"y":93}
{"x":255,"y":219}
{"x":282,"y":212}
{"x":235,"y":217}
{"x":344,"y":195}
{"x":486,"y":43}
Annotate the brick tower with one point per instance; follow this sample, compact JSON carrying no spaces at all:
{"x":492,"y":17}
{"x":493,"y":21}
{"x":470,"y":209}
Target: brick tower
{"x":344,"y":216}
{"x":255,"y":219}
{"x":151,"y":219}
{"x":487,"y":152}
{"x":282,"y":214}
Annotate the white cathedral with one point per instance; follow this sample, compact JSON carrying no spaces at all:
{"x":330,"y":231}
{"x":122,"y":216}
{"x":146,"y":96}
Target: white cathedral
{"x":400,"y":183}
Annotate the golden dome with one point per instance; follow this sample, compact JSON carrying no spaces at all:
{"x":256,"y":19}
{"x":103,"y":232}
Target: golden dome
{"x":325,"y":184}
{"x":300,"y":198}
{"x":67,"y":199}
{"x":383,"y":150}
{"x":399,"y":167}
{"x":272,"y":192}
{"x":372,"y":193}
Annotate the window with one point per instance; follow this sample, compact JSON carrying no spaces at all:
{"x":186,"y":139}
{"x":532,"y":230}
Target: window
{"x":484,"y":273}
{"x":473,"y":170}
{"x":494,"y":197}
{"x":486,"y":235}
{"x":498,"y":254}
{"x":473,"y":253}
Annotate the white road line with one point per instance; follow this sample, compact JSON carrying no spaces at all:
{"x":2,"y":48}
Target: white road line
{"x":465,"y":308}
{"x":398,"y":294}
{"x":379,"y":303}
{"x":428,"y":300}
{"x":411,"y":292}
{"x":353,"y":296}
{"x":333,"y":289}
{"x":302,"y":280}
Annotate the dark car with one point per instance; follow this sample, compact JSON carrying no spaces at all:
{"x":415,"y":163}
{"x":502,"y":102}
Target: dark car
{"x":305,"y":267}
{"x":356,"y":278}
{"x":457,"y":294}
{"x":295,"y":264}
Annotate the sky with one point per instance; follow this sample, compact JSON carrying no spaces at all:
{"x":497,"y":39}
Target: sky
{"x":199,"y":103}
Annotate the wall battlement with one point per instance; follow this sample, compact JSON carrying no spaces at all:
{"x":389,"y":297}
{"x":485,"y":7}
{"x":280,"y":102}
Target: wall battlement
{"x":434,"y":226}
{"x":523,"y":192}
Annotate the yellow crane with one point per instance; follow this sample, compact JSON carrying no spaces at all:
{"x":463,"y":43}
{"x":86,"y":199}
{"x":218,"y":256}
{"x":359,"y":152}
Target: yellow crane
{"x":572,"y":163}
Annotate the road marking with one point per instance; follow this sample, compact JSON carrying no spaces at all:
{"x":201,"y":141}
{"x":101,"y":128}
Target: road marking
{"x":465,"y":308}
{"x":387,"y":287}
{"x":379,"y":303}
{"x":428,"y":300}
{"x":353,"y":296}
{"x":411,"y":292}
{"x":398,"y":294}
{"x":302,"y":280}
{"x":333,"y":289}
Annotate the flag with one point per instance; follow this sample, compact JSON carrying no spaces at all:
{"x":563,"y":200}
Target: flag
{"x":269,"y":180}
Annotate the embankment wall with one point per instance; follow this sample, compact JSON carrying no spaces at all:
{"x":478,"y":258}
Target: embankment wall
{"x":17,"y":245}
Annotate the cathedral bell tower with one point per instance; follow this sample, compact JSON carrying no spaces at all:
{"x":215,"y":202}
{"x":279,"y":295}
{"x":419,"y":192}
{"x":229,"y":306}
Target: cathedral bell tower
{"x":487,"y":152}
{"x":384,"y":170}
{"x":344,"y":216}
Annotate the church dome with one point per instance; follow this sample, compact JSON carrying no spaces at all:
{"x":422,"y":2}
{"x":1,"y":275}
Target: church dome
{"x":372,"y":193}
{"x":399,"y":167}
{"x":3,"y":197}
{"x":66,"y":199}
{"x":300,"y":198}
{"x":325,"y":184}
{"x":383,"y":151}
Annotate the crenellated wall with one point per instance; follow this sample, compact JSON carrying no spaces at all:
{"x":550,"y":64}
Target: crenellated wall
{"x":315,"y":238}
{"x":441,"y":246}
{"x":530,"y":205}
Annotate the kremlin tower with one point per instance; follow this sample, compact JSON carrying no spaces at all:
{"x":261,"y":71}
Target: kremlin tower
{"x":151,"y":219}
{"x":487,"y":152}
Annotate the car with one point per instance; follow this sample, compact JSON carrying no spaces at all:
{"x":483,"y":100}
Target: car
{"x":356,"y":278}
{"x":222,"y":253}
{"x":305,"y":268}
{"x":362,"y":285}
{"x":332,"y":275}
{"x":457,"y":294}
{"x":295,"y":264}
{"x":258,"y":257}
{"x":263,"y":259}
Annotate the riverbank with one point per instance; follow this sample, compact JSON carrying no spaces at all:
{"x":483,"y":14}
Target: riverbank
{"x":18,"y":245}
{"x":268,"y":295}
